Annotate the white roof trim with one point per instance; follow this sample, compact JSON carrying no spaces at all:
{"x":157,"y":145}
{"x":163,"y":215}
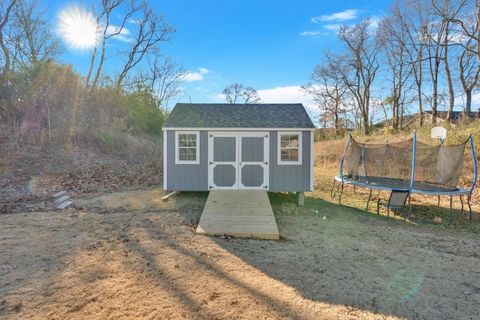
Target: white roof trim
{"x":238,"y":129}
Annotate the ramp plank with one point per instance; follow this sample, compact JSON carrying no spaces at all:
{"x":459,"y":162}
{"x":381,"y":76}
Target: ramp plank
{"x":238,"y":213}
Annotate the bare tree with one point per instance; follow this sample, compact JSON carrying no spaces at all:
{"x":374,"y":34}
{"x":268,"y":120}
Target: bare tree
{"x":451,"y":92}
{"x":30,"y":37}
{"x":392,"y":37}
{"x":449,"y":10}
{"x":358,"y":66}
{"x":412,"y":17}
{"x":110,"y":31}
{"x":233,"y":92}
{"x":151,"y":31}
{"x":435,"y":33}
{"x":465,"y":14}
{"x":237,"y":93}
{"x":250,"y":95}
{"x":93,"y":56}
{"x":328,"y":90}
{"x":459,"y":13}
{"x":469,"y":69}
{"x":5,"y":11}
{"x":161,"y":80}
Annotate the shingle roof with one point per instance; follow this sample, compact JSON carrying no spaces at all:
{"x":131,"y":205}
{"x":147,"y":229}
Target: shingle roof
{"x":221,"y":115}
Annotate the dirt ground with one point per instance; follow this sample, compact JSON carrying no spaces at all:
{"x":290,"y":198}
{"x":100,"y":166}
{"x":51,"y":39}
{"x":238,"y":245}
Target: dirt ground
{"x":130,"y":255}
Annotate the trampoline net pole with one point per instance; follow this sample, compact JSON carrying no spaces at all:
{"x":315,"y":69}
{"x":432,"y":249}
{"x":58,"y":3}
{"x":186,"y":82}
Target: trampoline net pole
{"x":343,"y":157}
{"x":414,"y":156}
{"x":474,"y":158}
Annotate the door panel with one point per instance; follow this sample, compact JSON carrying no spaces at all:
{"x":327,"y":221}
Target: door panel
{"x":224,"y":175}
{"x":223,"y":161}
{"x":224,"y":149}
{"x":238,"y":160}
{"x":252,"y":175}
{"x":254,"y":161}
{"x":252,"y":149}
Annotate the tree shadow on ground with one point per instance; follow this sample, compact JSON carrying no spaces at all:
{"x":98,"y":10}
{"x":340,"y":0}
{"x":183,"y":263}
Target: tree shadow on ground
{"x":346,"y":256}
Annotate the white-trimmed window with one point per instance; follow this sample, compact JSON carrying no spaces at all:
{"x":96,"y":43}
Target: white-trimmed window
{"x":289,"y":148}
{"x":187,"y":147}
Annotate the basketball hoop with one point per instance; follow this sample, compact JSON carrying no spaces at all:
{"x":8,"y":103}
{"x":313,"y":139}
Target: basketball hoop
{"x":439,"y":133}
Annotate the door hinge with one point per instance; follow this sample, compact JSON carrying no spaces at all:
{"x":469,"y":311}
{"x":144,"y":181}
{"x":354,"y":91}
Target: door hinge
{"x":266,"y":187}
{"x":266,"y":162}
{"x":211,"y":162}
{"x":210,"y":187}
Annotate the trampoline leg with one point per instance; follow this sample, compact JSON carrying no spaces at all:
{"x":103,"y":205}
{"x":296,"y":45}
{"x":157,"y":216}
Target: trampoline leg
{"x":409,"y":206}
{"x":438,"y":203}
{"x":368,"y":200}
{"x":451,"y":209}
{"x":341,"y":192}
{"x":461,"y":201}
{"x":469,"y":207}
{"x":333,"y":188}
{"x":354,"y":188}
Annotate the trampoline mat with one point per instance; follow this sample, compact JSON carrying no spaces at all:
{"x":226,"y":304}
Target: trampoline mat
{"x":399,"y":184}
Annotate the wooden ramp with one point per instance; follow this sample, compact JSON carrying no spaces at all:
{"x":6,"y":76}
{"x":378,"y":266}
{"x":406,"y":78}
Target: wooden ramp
{"x":238,"y":213}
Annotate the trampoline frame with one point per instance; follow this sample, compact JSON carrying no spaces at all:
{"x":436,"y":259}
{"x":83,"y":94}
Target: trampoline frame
{"x":343,"y":180}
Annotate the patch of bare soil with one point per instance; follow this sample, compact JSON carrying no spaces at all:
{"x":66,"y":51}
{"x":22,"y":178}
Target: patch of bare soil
{"x":131,"y":256}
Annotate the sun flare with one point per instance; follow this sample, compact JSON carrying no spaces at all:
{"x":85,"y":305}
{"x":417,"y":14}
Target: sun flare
{"x":78,"y":28}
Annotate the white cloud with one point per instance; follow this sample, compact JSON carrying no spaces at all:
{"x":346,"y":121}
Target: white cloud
{"x":288,"y":94}
{"x":124,"y":35}
{"x":191,"y":76}
{"x":374,"y":21}
{"x":332,"y":27}
{"x":311,"y":33}
{"x":133,"y":21}
{"x":345,"y":15}
{"x":203,"y":70}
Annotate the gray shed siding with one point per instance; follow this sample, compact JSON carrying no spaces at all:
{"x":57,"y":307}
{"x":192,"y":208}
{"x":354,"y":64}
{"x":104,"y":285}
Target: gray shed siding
{"x":187,"y":177}
{"x":290,"y":177}
{"x":194,"y":177}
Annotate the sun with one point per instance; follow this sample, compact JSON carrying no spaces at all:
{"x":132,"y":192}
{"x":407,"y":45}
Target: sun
{"x":78,"y":28}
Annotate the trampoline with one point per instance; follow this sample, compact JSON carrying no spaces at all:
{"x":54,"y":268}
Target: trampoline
{"x":409,"y":165}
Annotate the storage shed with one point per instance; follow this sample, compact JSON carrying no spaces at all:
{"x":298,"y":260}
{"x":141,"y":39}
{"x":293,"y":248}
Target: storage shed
{"x":238,"y":146}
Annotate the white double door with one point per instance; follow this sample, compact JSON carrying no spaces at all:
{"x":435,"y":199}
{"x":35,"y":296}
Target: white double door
{"x":238,"y":160}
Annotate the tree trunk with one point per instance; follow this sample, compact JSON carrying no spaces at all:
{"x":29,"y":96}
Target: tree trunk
{"x":335,"y":115}
{"x":451,"y":92}
{"x":366,"y":126}
{"x":435,"y":103}
{"x":468,"y":103}
{"x":420,"y":103}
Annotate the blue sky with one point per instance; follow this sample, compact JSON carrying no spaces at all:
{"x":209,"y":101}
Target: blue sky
{"x":269,"y":45}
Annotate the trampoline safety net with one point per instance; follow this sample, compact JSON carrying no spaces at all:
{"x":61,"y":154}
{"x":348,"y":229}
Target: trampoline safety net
{"x":390,"y":164}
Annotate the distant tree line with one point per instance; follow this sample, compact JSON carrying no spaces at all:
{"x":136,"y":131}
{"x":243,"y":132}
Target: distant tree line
{"x":423,"y":53}
{"x":42,"y":99}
